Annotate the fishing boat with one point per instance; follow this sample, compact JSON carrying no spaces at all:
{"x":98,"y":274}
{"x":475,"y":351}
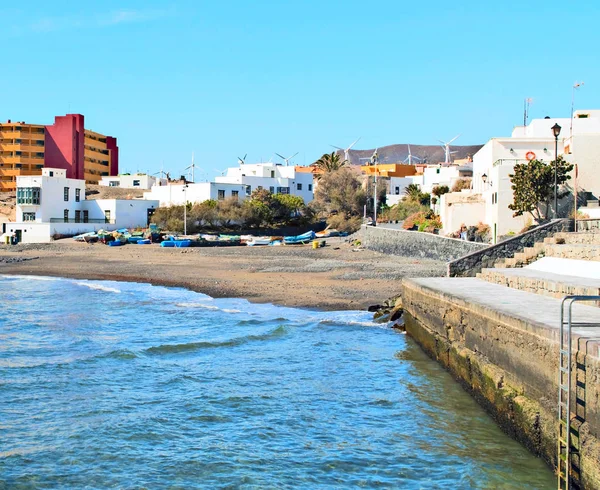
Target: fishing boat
{"x":167,"y":243}
{"x":82,"y":237}
{"x":182,"y":243}
{"x":299,"y":239}
{"x":134,"y":239}
{"x":115,"y":243}
{"x":144,"y":241}
{"x":258,"y":240}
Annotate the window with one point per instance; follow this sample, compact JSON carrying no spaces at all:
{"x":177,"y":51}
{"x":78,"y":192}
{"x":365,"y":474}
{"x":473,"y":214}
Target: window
{"x":310,"y":187}
{"x":28,"y":195}
{"x":283,"y":190}
{"x":28,"y":216}
{"x":66,"y":215}
{"x":397,"y":190}
{"x":85,"y":216}
{"x":299,"y":187}
{"x":66,"y":193}
{"x":221,"y":194}
{"x":248,"y":190}
{"x":51,"y":173}
{"x":77,"y":216}
{"x":235,"y":194}
{"x":77,"y":195}
{"x":113,"y":183}
{"x":136,"y":183}
{"x":272,"y":174}
{"x":107,"y":215}
{"x":272,"y":190}
{"x":437,"y":170}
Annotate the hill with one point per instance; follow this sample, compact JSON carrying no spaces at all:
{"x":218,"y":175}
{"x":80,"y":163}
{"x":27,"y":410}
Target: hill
{"x":399,"y":153}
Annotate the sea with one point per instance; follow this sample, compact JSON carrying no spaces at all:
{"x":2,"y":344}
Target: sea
{"x":124,"y":385}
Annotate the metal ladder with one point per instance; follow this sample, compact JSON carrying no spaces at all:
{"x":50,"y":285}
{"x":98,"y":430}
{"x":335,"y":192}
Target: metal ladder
{"x":564,"y":387}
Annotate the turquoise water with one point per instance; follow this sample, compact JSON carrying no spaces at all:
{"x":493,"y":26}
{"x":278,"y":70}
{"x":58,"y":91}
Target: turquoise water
{"x":123,"y":385}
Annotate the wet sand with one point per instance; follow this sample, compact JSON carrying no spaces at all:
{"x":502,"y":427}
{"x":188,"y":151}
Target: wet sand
{"x":331,"y":278}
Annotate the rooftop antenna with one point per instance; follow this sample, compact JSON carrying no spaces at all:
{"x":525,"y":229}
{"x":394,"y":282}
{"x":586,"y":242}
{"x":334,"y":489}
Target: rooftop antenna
{"x":410,"y":157}
{"x":286,"y":160}
{"x":347,"y":150}
{"x":576,"y":85}
{"x":527,"y":103}
{"x":241,"y":161}
{"x":192,"y":167}
{"x":446,"y":147}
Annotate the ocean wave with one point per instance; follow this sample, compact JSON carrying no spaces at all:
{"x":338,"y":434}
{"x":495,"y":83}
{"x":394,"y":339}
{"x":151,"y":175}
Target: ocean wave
{"x":197,"y":305}
{"x":98,"y":287}
{"x":31,"y":278}
{"x":118,"y":354}
{"x":195,"y":346}
{"x":359,"y":323}
{"x":230,"y":310}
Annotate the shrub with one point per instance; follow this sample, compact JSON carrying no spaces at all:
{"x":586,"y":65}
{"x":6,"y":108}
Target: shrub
{"x":423,"y":221}
{"x":462,"y":183}
{"x":341,"y":223}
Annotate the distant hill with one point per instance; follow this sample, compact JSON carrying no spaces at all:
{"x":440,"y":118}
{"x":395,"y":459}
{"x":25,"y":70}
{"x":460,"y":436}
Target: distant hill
{"x":399,"y":153}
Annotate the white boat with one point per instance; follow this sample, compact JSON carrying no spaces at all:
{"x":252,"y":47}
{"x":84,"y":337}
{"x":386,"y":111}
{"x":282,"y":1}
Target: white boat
{"x":259,"y":240}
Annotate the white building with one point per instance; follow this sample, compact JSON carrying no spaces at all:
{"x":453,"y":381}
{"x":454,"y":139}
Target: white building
{"x":51,"y":204}
{"x":493,"y":164}
{"x":432,"y":176}
{"x":177,"y":194}
{"x":276,"y":178}
{"x":132,"y":181}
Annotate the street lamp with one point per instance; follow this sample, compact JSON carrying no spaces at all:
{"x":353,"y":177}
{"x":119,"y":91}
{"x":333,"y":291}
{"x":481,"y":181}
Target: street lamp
{"x":484,"y":178}
{"x":185,"y":209}
{"x":556,"y":132}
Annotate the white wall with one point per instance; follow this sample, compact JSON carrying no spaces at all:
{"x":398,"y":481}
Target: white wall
{"x":461,"y":208}
{"x":52,"y":203}
{"x":173,"y":194}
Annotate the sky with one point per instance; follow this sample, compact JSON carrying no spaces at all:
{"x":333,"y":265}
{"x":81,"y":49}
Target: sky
{"x":225,"y":79}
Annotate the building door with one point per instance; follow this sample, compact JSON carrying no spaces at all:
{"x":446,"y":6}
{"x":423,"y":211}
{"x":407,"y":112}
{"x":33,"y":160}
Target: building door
{"x":149,"y":215}
{"x":18,"y":236}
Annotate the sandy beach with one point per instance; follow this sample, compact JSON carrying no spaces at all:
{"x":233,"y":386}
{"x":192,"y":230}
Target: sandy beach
{"x":335,"y":277}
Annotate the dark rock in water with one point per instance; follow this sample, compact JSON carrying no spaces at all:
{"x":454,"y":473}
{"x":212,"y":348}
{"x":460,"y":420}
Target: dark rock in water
{"x":396,"y":313}
{"x":381,"y":317}
{"x":399,"y":326}
{"x":373,"y":308}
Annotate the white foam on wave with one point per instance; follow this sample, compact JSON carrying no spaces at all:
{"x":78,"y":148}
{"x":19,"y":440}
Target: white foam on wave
{"x":99,"y":287}
{"x":197,"y":305}
{"x":358,"y":318}
{"x":31,"y":278}
{"x":230,"y":310}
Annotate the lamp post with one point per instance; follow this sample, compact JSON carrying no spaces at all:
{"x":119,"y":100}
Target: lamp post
{"x":556,"y":132}
{"x":185,"y":209}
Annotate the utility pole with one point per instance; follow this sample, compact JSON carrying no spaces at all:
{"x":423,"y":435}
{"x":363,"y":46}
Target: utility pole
{"x":375,"y":161}
{"x":185,"y":209}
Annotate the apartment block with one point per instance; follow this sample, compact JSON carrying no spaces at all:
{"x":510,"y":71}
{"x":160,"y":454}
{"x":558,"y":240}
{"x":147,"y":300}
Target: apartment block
{"x":27,"y":148}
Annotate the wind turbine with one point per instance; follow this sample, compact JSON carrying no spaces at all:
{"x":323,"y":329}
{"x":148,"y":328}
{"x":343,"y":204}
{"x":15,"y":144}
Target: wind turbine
{"x":446,"y":147}
{"x":192,"y":167}
{"x":241,"y":161}
{"x":347,"y":150}
{"x":286,"y":160}
{"x":410,"y":157}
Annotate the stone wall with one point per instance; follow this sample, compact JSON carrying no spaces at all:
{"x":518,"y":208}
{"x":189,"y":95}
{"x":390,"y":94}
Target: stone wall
{"x":510,"y":367}
{"x":416,"y":244}
{"x":471,"y":264}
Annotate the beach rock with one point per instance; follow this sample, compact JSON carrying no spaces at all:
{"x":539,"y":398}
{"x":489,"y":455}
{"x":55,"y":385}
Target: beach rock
{"x":396,"y":313}
{"x":373,"y":308}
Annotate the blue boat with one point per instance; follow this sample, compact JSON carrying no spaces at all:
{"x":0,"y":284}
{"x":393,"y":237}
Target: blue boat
{"x":167,"y":243}
{"x":299,"y":239}
{"x":144,"y":241}
{"x":115,"y":243}
{"x":182,"y":243}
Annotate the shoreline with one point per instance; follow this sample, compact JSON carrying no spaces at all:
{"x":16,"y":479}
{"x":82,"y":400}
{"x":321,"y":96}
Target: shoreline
{"x":333,"y":278}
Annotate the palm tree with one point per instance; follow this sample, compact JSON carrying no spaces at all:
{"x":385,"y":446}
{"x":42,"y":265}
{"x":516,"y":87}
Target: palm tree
{"x":413,"y":192}
{"x":330,"y":162}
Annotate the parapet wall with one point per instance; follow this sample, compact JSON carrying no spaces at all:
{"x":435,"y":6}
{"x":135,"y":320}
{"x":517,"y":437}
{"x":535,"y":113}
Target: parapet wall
{"x":510,"y":367}
{"x":416,"y":244}
{"x":474,"y":262}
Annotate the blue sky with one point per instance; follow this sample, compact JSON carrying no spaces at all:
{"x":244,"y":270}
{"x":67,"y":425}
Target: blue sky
{"x":227,"y":78}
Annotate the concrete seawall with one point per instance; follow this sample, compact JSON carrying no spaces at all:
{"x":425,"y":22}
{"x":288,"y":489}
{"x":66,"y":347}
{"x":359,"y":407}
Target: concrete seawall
{"x":502,"y":346}
{"x":416,"y":244}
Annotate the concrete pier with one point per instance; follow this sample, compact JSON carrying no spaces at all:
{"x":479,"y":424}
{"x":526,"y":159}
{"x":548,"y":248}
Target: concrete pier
{"x":502,"y":345}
